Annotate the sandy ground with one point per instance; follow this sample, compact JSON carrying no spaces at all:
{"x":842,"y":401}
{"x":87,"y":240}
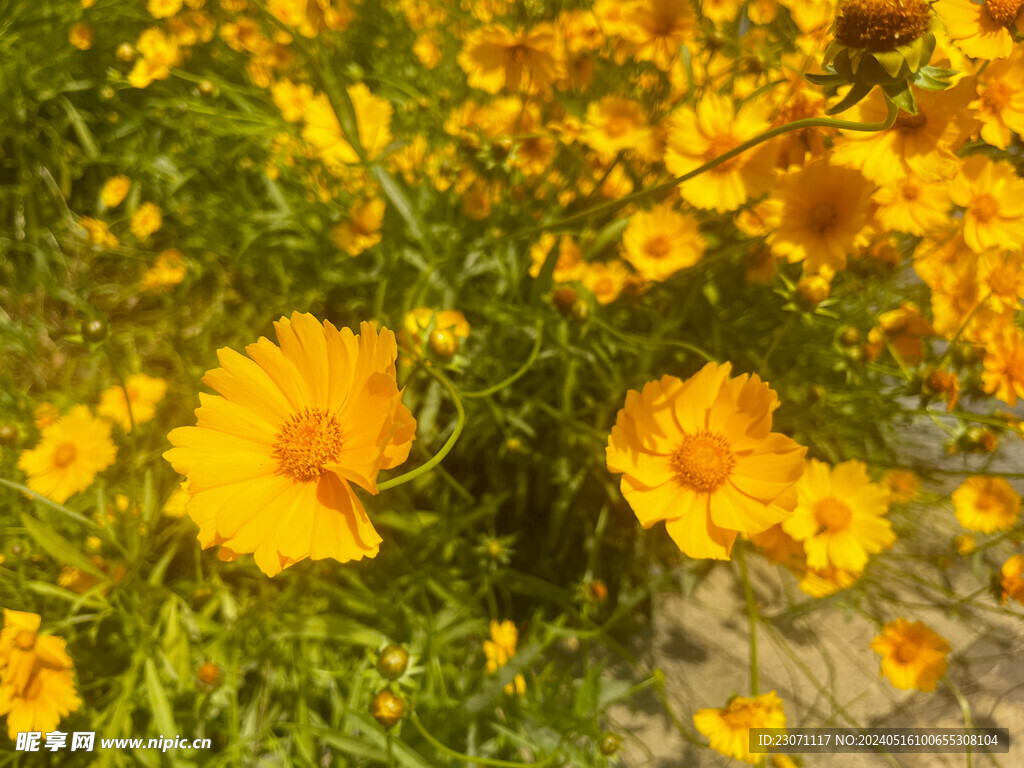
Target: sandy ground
{"x":821,"y":664}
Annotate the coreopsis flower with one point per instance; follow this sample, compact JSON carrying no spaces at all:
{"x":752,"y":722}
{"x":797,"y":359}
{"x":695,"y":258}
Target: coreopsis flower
{"x":822,"y":582}
{"x":311,"y":16}
{"x":166,"y":272}
{"x":323,"y":131}
{"x":840,"y":516}
{"x":913,"y":655}
{"x":1004,"y":366}
{"x":615,"y":124}
{"x":992,"y":196}
{"x":159,"y":53}
{"x":981,"y":30}
{"x":271,"y":461}
{"x":658,"y":29}
{"x":910,"y":205}
{"x":80,"y":35}
{"x":143,"y":393}
{"x":114,"y":191}
{"x":1000,"y":102}
{"x":177,"y":503}
{"x":499,"y":649}
{"x":146,"y":220}
{"x":98,"y":232}
{"x":71,"y":452}
{"x":811,"y":15}
{"x":162,"y":9}
{"x":1002,"y":275}
{"x":291,"y":99}
{"x":1012,"y":583}
{"x":903,"y":328}
{"x":569,"y":265}
{"x":986,"y":504}
{"x":495,"y":58}
{"x":728,"y":728}
{"x":362,"y":229}
{"x":818,"y":215}
{"x":923,"y":144}
{"x":661,"y":241}
{"x":700,"y":455}
{"x":37,"y":686}
{"x":697,"y":136}
{"x":45,"y":414}
{"x":964,"y":544}
{"x":814,"y":289}
{"x":778,"y":546}
{"x":427,"y":49}
{"x":605,"y":279}
{"x":902,"y":485}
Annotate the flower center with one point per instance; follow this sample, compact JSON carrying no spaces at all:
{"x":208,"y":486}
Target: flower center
{"x":911,"y":191}
{"x":906,"y":651}
{"x":307,"y":441}
{"x":64,"y":455}
{"x":821,"y":217}
{"x":738,"y":716}
{"x":717,"y":146}
{"x":997,"y":96}
{"x":881,"y":25}
{"x":985,"y":208}
{"x":832,"y":513}
{"x":25,"y":640}
{"x":703,"y":461}
{"x":616,"y":127}
{"x":657,"y":247}
{"x":1004,"y":12}
{"x":909,"y":123}
{"x":517,"y":55}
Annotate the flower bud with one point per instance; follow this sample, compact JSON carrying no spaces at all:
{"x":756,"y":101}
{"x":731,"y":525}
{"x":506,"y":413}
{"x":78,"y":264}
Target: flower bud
{"x":849,"y":336}
{"x":393,"y":661}
{"x":125,"y":52}
{"x":610,"y":744}
{"x":444,"y":343}
{"x":95,"y":330}
{"x":209,"y":674}
{"x":8,"y":434}
{"x":387,"y":708}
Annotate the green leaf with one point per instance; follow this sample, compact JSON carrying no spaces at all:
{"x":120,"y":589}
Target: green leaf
{"x":902,"y":97}
{"x":160,"y":707}
{"x":892,"y":61}
{"x":59,"y":548}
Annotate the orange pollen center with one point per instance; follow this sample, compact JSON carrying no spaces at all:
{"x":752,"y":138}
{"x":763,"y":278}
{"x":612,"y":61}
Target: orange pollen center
{"x":738,"y":716}
{"x":832,"y":513}
{"x":64,"y":454}
{"x":881,"y":25}
{"x":997,"y":96}
{"x":517,"y":54}
{"x":985,"y":208}
{"x":821,"y":217}
{"x":25,"y":640}
{"x":703,"y":461}
{"x":309,"y":439}
{"x":911,"y":191}
{"x":906,"y":651}
{"x":718,"y":146}
{"x":909,"y":123}
{"x":657,"y":247}
{"x":1004,"y":12}
{"x":617,"y":126}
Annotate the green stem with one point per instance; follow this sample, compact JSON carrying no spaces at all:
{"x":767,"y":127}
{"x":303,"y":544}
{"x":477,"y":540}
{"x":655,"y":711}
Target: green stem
{"x":796,"y":125}
{"x":534,"y":353}
{"x":445,"y":449}
{"x":391,"y":751}
{"x":474,"y":758}
{"x":748,"y":592}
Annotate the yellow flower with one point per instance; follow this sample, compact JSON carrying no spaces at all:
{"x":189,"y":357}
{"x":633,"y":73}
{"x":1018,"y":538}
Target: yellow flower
{"x":728,"y":728}
{"x":964,"y":543}
{"x":1004,"y":366}
{"x":495,"y":58}
{"x":981,"y":30}
{"x":992,"y":195}
{"x":615,"y":124}
{"x":696,"y":136}
{"x":80,"y":35}
{"x":162,"y":9}
{"x":144,"y":392}
{"x":1000,"y":102}
{"x":70,"y":453}
{"x":658,"y":29}
{"x":114,"y":190}
{"x":902,"y":485}
{"x":271,"y":460}
{"x":910,"y":205}
{"x":291,"y":99}
{"x":37,"y":686}
{"x":447,"y":328}
{"x":373,"y":124}
{"x":146,"y":220}
{"x":811,"y":15}
{"x":818,"y":215}
{"x":986,"y":504}
{"x":362,"y":230}
{"x":913,"y":656}
{"x":499,"y":649}
{"x":1013,"y":579}
{"x":605,"y":279}
{"x":177,"y":503}
{"x":427,"y":49}
{"x":826,"y":581}
{"x":45,"y":414}
{"x":167,"y":271}
{"x":98,"y":232}
{"x":661,"y":241}
{"x":840,"y":516}
{"x":570,"y":262}
{"x":159,"y":53}
{"x":700,"y":455}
